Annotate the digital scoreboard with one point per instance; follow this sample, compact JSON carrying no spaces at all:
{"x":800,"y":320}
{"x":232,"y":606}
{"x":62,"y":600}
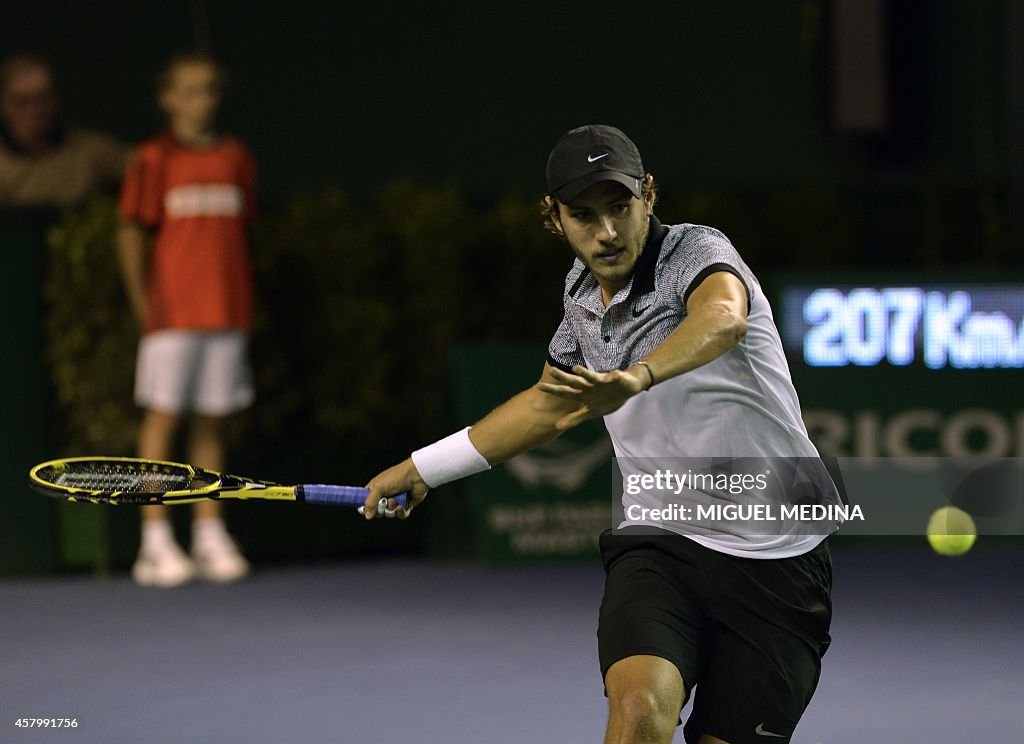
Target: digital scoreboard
{"x":907,"y":369}
{"x":941,"y":326}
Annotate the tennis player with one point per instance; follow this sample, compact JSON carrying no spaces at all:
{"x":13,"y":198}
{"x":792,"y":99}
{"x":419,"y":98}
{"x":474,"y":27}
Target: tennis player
{"x":667,"y":335}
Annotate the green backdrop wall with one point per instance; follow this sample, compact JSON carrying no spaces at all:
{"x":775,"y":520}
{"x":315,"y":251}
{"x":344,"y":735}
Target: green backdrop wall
{"x":730,"y":93}
{"x":26,"y":527}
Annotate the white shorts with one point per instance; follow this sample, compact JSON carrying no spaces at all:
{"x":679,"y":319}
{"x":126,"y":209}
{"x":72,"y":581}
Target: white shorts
{"x":204,"y":372}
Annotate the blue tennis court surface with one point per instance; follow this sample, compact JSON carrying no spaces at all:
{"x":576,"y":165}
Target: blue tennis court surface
{"x":926,"y":650}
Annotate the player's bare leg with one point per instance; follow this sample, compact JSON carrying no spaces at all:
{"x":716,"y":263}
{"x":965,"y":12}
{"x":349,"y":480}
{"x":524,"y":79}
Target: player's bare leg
{"x":216,"y":555}
{"x":645,"y":695}
{"x":161,"y":561}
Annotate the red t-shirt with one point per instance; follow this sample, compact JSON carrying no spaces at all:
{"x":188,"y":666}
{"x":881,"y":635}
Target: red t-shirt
{"x":198,"y":202}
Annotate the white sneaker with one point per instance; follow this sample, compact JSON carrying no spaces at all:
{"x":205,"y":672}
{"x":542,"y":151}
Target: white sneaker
{"x":164,"y":565}
{"x":217,"y":558}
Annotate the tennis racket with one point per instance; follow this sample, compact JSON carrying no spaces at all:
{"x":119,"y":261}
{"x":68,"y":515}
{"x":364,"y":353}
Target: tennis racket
{"x":130,"y":480}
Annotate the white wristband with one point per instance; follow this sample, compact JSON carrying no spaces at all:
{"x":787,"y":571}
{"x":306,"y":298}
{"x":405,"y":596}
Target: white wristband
{"x":449,"y":459}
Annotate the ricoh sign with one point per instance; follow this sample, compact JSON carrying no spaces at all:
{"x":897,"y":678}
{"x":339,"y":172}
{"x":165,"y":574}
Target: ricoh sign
{"x":902,"y":370}
{"x":916,"y":431}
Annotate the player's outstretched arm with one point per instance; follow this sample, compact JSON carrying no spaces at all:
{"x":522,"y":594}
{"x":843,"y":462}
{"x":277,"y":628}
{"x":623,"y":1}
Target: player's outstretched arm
{"x":527,"y":420}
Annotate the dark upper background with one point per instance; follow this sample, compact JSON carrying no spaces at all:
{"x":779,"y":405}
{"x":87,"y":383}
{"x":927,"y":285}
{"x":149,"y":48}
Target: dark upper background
{"x":732,"y":94}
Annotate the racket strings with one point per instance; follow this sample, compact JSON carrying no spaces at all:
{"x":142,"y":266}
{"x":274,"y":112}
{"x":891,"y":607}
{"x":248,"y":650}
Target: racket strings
{"x":125,"y":479}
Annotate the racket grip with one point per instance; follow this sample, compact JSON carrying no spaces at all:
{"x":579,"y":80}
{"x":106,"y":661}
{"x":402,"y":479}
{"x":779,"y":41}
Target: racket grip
{"x":318,"y":493}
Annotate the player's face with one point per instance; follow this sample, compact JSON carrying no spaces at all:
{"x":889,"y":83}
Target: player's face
{"x":29,"y":105}
{"x":606,"y":227}
{"x":193,"y":95}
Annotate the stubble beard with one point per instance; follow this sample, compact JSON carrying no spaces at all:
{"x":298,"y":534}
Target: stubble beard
{"x":618,"y":273}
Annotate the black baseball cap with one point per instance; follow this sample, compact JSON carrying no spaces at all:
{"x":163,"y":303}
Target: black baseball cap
{"x":591,"y":154}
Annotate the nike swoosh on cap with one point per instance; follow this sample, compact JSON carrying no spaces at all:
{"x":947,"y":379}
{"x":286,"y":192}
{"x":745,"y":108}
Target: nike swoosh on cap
{"x":592,"y":159}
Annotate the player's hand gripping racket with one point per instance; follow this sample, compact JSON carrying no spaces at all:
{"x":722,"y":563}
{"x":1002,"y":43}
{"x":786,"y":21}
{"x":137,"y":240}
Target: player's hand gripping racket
{"x":129,"y":480}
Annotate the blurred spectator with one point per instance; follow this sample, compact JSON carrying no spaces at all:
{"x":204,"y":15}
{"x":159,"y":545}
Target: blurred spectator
{"x":189,"y":191}
{"x":41,"y":160}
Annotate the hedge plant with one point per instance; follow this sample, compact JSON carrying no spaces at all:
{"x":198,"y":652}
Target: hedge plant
{"x":91,"y":333}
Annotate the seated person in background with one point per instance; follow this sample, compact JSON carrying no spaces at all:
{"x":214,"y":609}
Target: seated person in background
{"x":42,"y":162}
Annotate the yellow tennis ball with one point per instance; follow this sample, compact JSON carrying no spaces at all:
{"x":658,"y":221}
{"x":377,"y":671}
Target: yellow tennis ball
{"x":951,"y":531}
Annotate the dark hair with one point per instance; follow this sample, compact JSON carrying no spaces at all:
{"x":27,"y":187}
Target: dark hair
{"x":166,"y":76}
{"x":549,"y":205}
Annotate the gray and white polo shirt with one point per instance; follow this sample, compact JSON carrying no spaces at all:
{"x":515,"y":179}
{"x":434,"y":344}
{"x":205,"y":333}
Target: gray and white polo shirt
{"x":740,"y":405}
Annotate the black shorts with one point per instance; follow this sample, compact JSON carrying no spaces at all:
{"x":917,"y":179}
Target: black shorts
{"x":746,"y":634}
